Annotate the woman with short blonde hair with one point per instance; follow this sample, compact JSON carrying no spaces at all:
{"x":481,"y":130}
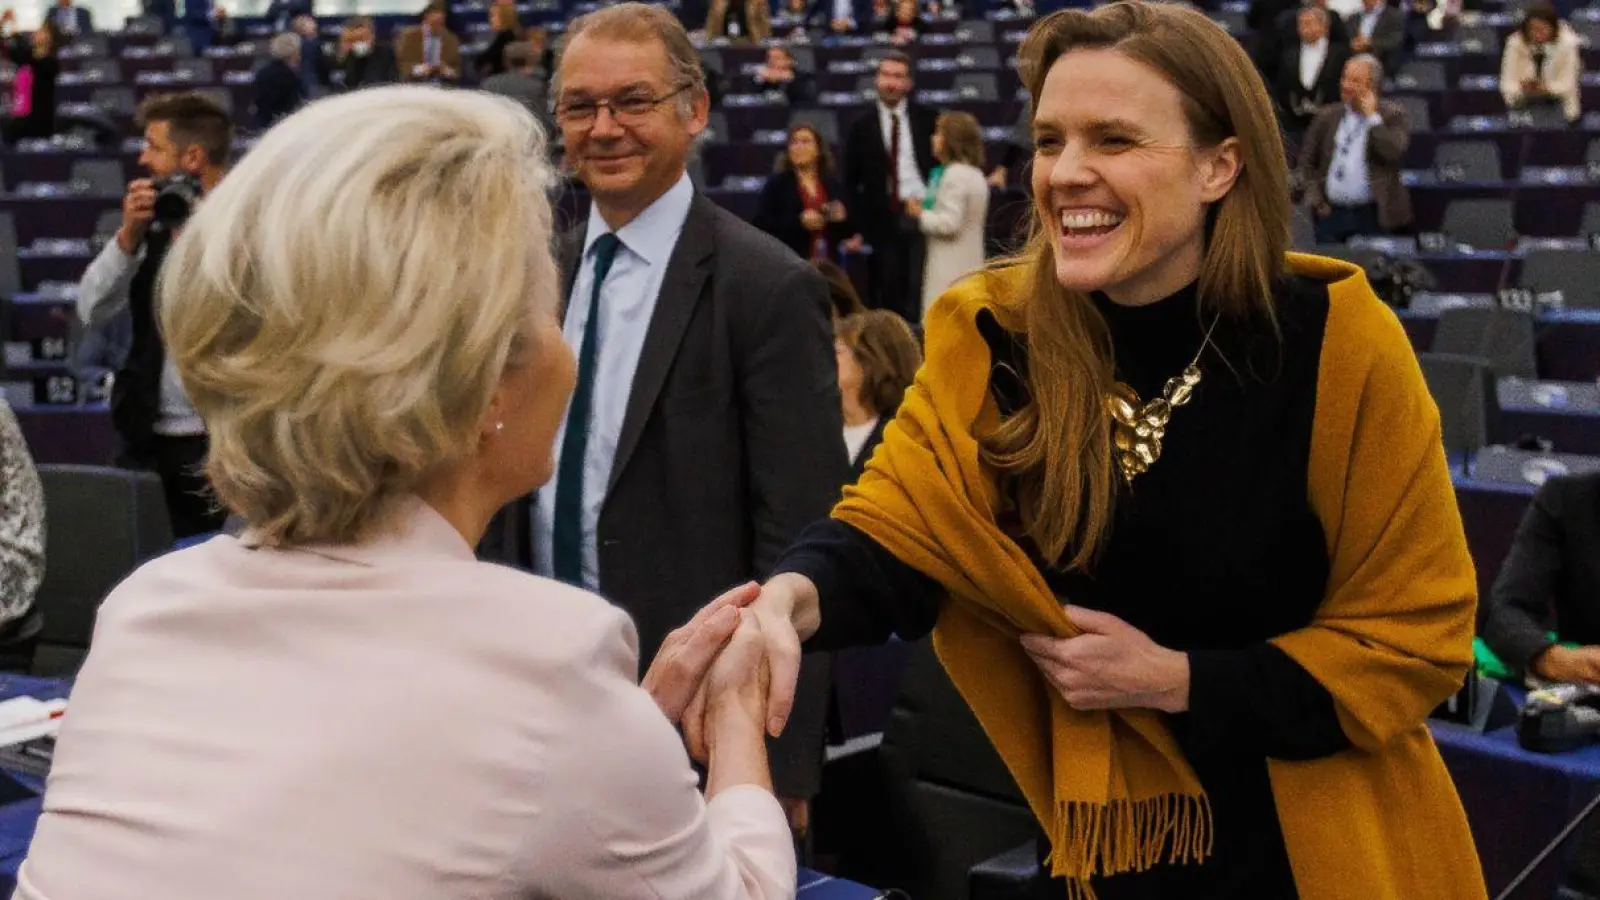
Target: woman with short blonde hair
{"x":364,"y":313}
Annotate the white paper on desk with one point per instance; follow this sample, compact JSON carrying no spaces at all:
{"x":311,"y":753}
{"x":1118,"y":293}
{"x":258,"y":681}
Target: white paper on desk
{"x":27,"y":718}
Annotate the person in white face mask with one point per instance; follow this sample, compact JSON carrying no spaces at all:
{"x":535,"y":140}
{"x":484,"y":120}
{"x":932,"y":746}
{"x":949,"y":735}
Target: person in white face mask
{"x":363,"y":59}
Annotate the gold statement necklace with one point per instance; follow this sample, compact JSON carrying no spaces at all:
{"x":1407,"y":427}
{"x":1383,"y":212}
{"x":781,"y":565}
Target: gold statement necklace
{"x":1138,"y":427}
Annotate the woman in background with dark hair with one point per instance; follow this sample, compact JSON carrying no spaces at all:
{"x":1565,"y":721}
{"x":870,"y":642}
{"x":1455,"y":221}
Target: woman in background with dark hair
{"x":33,"y":90}
{"x":799,"y":204}
{"x":1543,"y":64}
{"x":842,"y":296}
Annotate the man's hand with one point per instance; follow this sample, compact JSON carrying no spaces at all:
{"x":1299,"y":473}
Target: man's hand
{"x":680,"y":668}
{"x":997,"y":178}
{"x":138,"y":208}
{"x":1569,"y":665}
{"x":1360,"y":44}
{"x":811,"y":220}
{"x":1112,"y":665}
{"x":1367,"y":102}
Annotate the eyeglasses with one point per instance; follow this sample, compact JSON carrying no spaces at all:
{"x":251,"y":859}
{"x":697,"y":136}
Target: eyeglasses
{"x":627,"y":110}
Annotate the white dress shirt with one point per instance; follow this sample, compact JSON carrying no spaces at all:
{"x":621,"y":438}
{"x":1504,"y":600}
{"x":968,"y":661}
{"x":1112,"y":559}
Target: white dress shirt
{"x":102,"y":293}
{"x":1369,"y":22}
{"x":1348,"y":182}
{"x":1312,"y":57}
{"x":844,"y":11}
{"x":627,"y":303}
{"x":912,"y":187}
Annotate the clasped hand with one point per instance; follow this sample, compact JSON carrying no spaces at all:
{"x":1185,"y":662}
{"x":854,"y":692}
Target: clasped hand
{"x":1111,"y":665}
{"x":712,"y":673}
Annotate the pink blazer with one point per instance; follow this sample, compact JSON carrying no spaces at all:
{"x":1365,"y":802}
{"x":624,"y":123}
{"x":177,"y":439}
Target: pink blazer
{"x":395,"y":721}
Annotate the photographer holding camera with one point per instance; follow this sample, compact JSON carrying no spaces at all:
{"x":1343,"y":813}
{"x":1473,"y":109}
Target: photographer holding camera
{"x":187,"y":139}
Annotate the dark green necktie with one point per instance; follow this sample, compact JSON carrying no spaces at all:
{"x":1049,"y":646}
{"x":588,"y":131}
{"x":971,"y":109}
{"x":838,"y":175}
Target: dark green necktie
{"x":567,"y":552}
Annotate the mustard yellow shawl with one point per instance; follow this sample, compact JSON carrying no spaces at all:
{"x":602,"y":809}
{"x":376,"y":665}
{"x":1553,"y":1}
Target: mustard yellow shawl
{"x":1391,"y":640}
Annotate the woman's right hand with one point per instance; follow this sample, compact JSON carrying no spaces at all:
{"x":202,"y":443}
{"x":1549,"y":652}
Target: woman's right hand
{"x":812,"y":220}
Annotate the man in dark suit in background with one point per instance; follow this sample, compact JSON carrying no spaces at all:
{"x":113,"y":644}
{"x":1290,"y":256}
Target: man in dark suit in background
{"x":888,"y":155}
{"x":1282,"y":33}
{"x":1379,"y":29}
{"x":364,"y":59}
{"x":704,"y":431}
{"x":1308,"y":79}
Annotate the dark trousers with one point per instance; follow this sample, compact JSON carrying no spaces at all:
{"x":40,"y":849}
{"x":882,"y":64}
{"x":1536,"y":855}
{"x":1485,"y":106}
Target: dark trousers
{"x":1345,"y":222}
{"x":894,"y":270}
{"x":191,"y":506}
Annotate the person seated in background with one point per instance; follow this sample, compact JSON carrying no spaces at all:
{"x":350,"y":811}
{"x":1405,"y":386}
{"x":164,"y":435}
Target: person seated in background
{"x":520,"y":82}
{"x":279,"y":89}
{"x":1308,"y":78}
{"x":878,"y":357}
{"x":507,"y":30}
{"x":21,"y":544}
{"x":801,"y":203}
{"x":1551,"y":581}
{"x":1378,"y":29}
{"x":1543,"y":64}
{"x":906,"y":24}
{"x":429,"y":51}
{"x":32,"y":113}
{"x":72,"y":21}
{"x":1350,"y":160}
{"x":780,"y":73}
{"x":342,"y":701}
{"x":364,"y":59}
{"x":953,"y":215}
{"x":739,"y":20}
{"x":880,"y":19}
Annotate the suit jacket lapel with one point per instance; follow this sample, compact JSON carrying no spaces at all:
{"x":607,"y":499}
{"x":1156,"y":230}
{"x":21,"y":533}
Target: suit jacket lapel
{"x":687,"y":270}
{"x":569,"y":255}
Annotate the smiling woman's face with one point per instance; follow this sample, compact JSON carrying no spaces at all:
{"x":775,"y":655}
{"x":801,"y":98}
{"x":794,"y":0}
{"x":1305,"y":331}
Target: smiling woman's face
{"x":1117,"y":181}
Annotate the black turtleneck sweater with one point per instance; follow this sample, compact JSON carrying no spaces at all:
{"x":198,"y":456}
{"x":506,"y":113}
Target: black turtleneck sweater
{"x":1213,"y":551}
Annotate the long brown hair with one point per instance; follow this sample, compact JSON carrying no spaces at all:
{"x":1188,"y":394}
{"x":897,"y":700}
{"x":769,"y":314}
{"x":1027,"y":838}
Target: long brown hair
{"x":1057,"y":449}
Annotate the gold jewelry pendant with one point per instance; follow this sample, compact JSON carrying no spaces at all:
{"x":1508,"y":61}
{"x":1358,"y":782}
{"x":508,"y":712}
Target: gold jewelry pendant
{"x":1138,"y":427}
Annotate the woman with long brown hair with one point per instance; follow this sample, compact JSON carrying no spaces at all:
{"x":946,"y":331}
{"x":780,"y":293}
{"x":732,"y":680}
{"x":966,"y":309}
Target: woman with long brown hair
{"x":1174,"y":503}
{"x":800,"y":203}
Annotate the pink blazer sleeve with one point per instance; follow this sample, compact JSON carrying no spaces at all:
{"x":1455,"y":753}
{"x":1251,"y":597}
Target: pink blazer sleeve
{"x":634,"y":824}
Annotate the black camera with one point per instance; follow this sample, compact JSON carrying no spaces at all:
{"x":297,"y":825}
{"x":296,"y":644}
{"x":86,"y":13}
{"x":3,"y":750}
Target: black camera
{"x":176,"y":196}
{"x":1559,"y":718}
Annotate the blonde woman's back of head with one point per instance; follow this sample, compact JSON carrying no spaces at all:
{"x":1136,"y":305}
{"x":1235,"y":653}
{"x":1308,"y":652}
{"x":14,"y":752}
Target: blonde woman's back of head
{"x":343,"y":305}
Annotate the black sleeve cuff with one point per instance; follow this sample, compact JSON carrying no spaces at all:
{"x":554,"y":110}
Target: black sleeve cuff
{"x":865,"y":593}
{"x":1259,"y":701}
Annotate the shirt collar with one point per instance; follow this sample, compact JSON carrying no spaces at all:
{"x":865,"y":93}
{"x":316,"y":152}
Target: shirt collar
{"x":653,"y":233}
{"x":886,"y":110}
{"x":1321,"y":46}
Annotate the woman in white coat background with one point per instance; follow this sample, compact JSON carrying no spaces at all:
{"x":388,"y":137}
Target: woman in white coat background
{"x":953,"y":215}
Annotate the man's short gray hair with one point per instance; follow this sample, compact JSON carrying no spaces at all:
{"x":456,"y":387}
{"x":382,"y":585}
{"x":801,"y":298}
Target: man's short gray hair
{"x":285,"y":47}
{"x":1317,"y":11}
{"x":640,"y":23}
{"x":1374,"y":68}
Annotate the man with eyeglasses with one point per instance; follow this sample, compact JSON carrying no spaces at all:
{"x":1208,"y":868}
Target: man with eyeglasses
{"x":703,"y":433}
